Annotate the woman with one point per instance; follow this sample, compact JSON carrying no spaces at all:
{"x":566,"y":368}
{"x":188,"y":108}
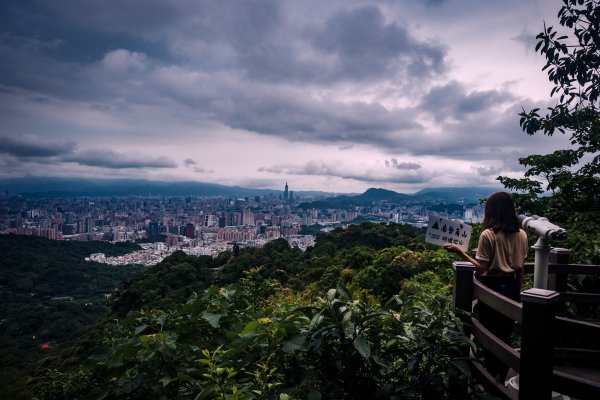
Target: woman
{"x":501,"y":252}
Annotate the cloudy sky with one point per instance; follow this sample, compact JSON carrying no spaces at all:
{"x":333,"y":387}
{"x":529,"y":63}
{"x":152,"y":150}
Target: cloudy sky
{"x":337,"y":95}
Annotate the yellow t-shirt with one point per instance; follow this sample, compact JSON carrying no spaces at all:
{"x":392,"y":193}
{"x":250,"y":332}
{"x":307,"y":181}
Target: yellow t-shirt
{"x":506,"y":252}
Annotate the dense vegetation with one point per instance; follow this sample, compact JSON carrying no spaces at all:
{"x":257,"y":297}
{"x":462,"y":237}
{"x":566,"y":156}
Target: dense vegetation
{"x":365,"y":313}
{"x":153,"y":239}
{"x":48,"y":293}
{"x":165,"y":285}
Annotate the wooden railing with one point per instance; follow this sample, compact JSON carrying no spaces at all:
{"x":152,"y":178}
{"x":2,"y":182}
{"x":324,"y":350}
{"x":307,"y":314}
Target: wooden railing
{"x":556,"y":353}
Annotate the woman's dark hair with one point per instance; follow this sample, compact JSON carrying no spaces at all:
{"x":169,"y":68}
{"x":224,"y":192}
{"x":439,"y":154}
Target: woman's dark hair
{"x":500,"y":213}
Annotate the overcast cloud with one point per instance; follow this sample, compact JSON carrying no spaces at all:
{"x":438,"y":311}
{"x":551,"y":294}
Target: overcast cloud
{"x":337,"y":96}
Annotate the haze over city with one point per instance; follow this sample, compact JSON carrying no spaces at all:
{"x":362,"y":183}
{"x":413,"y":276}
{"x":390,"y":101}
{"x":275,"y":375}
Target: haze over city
{"x":336,"y":96}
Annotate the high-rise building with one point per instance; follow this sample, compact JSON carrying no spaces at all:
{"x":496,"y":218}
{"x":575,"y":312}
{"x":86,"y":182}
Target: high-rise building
{"x":286,"y":193}
{"x":190,"y":230}
{"x":153,"y":228}
{"x":468,"y":215}
{"x":210,"y":220}
{"x":248,"y":217}
{"x":89,"y":225}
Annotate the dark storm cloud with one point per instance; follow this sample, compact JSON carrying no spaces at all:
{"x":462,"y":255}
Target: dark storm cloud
{"x":365,"y":45}
{"x":255,"y":37}
{"x":283,"y":111}
{"x":435,"y":2}
{"x":36,"y":74}
{"x":246,"y":92}
{"x":393,"y":163}
{"x":480,"y":137}
{"x":85,"y":30}
{"x":30,"y":148}
{"x":452,"y":100}
{"x":400,"y":178}
{"x":354,"y":74}
{"x":249,"y":32}
{"x":485,"y":136}
{"x":188,"y":162}
{"x":489,"y":170}
{"x":123,"y":78}
{"x":258,"y":38}
{"x":105,"y":158}
{"x":34,"y":147}
{"x":320,"y":168}
{"x":317,"y":121}
{"x":134,"y":17}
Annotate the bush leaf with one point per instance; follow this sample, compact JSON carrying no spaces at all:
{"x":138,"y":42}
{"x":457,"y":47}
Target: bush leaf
{"x":360,"y":344}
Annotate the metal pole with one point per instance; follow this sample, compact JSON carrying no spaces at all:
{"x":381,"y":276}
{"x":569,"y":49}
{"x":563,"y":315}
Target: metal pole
{"x":540,"y":269}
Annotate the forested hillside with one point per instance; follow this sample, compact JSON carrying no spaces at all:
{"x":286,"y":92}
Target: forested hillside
{"x":48,"y":294}
{"x":365,"y":313}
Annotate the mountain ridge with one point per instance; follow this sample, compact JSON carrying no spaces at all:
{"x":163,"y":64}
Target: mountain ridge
{"x":36,"y":186}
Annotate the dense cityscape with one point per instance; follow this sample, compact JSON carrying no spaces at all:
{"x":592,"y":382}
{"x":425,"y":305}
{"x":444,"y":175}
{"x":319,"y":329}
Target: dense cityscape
{"x":196,"y":225}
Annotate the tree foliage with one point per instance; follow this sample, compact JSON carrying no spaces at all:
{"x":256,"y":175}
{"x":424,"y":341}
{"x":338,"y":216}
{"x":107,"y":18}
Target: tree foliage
{"x":49,"y":295}
{"x":165,"y":285}
{"x":277,"y":329}
{"x":572,"y":175}
{"x":222,"y":345}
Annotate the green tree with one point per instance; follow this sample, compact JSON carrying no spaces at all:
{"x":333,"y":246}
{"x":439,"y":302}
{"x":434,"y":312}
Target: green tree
{"x":572,"y":175}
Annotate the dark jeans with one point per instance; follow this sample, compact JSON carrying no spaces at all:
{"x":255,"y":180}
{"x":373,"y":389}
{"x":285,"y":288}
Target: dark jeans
{"x":495,"y":322}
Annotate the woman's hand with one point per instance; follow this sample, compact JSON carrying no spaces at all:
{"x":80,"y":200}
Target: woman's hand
{"x":481,"y":266}
{"x":452,"y":248}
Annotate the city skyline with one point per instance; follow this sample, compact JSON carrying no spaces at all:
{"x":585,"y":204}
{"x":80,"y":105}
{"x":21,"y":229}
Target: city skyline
{"x":207,"y":225}
{"x":337,"y":97}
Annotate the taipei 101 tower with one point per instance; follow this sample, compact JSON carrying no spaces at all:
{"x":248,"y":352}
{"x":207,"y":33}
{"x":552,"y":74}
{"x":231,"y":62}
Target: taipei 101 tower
{"x":286,"y":194}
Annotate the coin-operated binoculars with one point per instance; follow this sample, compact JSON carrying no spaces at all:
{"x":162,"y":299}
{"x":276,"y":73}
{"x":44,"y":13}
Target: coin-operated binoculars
{"x":547,"y":231}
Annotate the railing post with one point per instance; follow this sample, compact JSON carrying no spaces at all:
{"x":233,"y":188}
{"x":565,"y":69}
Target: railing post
{"x":556,"y":281}
{"x":462,"y":295}
{"x":537,"y":351}
{"x":462,"y":299}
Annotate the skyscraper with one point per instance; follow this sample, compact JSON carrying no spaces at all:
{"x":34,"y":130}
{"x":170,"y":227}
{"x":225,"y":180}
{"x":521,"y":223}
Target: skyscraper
{"x":286,"y":193}
{"x":190,"y":230}
{"x":153,"y":228}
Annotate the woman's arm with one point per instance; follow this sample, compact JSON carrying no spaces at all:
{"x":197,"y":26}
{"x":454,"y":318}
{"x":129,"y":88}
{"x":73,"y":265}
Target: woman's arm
{"x":481,"y":265}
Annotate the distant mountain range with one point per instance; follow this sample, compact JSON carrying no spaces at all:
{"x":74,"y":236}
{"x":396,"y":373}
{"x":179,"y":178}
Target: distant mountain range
{"x":77,"y":187}
{"x":457,"y":194}
{"x":445,"y":195}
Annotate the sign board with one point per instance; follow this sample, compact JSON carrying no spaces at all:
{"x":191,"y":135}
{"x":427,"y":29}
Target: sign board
{"x":442,"y":231}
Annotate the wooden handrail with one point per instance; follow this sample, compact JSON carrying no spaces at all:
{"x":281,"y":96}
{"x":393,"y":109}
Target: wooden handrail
{"x":584,"y":334}
{"x":574,"y":385}
{"x":489,"y":382}
{"x":497,"y":301}
{"x":575,"y":297}
{"x":491,"y":342}
{"x":583,"y":269}
{"x":576,"y":346}
{"x":575,"y":354}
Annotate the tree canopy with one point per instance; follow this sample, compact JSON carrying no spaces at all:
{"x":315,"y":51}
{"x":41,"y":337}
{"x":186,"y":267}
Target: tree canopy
{"x":571,"y":176}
